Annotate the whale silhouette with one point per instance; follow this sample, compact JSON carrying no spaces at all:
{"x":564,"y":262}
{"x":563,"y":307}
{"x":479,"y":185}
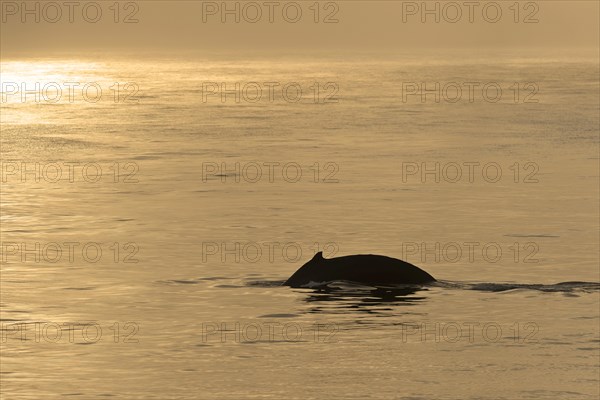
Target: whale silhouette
{"x":365,"y":269}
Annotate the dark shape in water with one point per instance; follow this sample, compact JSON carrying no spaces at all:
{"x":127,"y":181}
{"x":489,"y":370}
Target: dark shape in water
{"x":367,"y":269}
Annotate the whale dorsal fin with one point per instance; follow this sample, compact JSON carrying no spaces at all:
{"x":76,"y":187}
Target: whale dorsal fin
{"x":318,"y":256}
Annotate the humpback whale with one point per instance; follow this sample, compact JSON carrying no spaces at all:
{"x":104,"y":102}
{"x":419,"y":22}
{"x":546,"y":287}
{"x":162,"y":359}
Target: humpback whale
{"x":366,"y":269}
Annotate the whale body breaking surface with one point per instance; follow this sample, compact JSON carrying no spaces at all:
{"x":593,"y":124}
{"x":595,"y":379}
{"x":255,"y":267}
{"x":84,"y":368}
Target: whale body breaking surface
{"x":367,"y":269}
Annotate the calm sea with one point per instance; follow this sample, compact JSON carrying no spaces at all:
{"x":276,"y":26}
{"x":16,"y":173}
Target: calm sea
{"x":151,"y":208}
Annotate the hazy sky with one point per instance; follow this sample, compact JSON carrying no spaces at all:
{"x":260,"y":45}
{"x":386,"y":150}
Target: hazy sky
{"x":165,"y":26}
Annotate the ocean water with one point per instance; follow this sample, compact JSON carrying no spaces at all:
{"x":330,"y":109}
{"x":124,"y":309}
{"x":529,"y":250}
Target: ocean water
{"x":146,"y":230}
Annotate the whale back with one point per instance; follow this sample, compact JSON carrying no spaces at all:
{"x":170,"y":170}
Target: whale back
{"x":363,"y":268}
{"x":305,"y":274}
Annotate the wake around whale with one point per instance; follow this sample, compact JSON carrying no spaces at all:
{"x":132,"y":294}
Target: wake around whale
{"x":367,"y":269}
